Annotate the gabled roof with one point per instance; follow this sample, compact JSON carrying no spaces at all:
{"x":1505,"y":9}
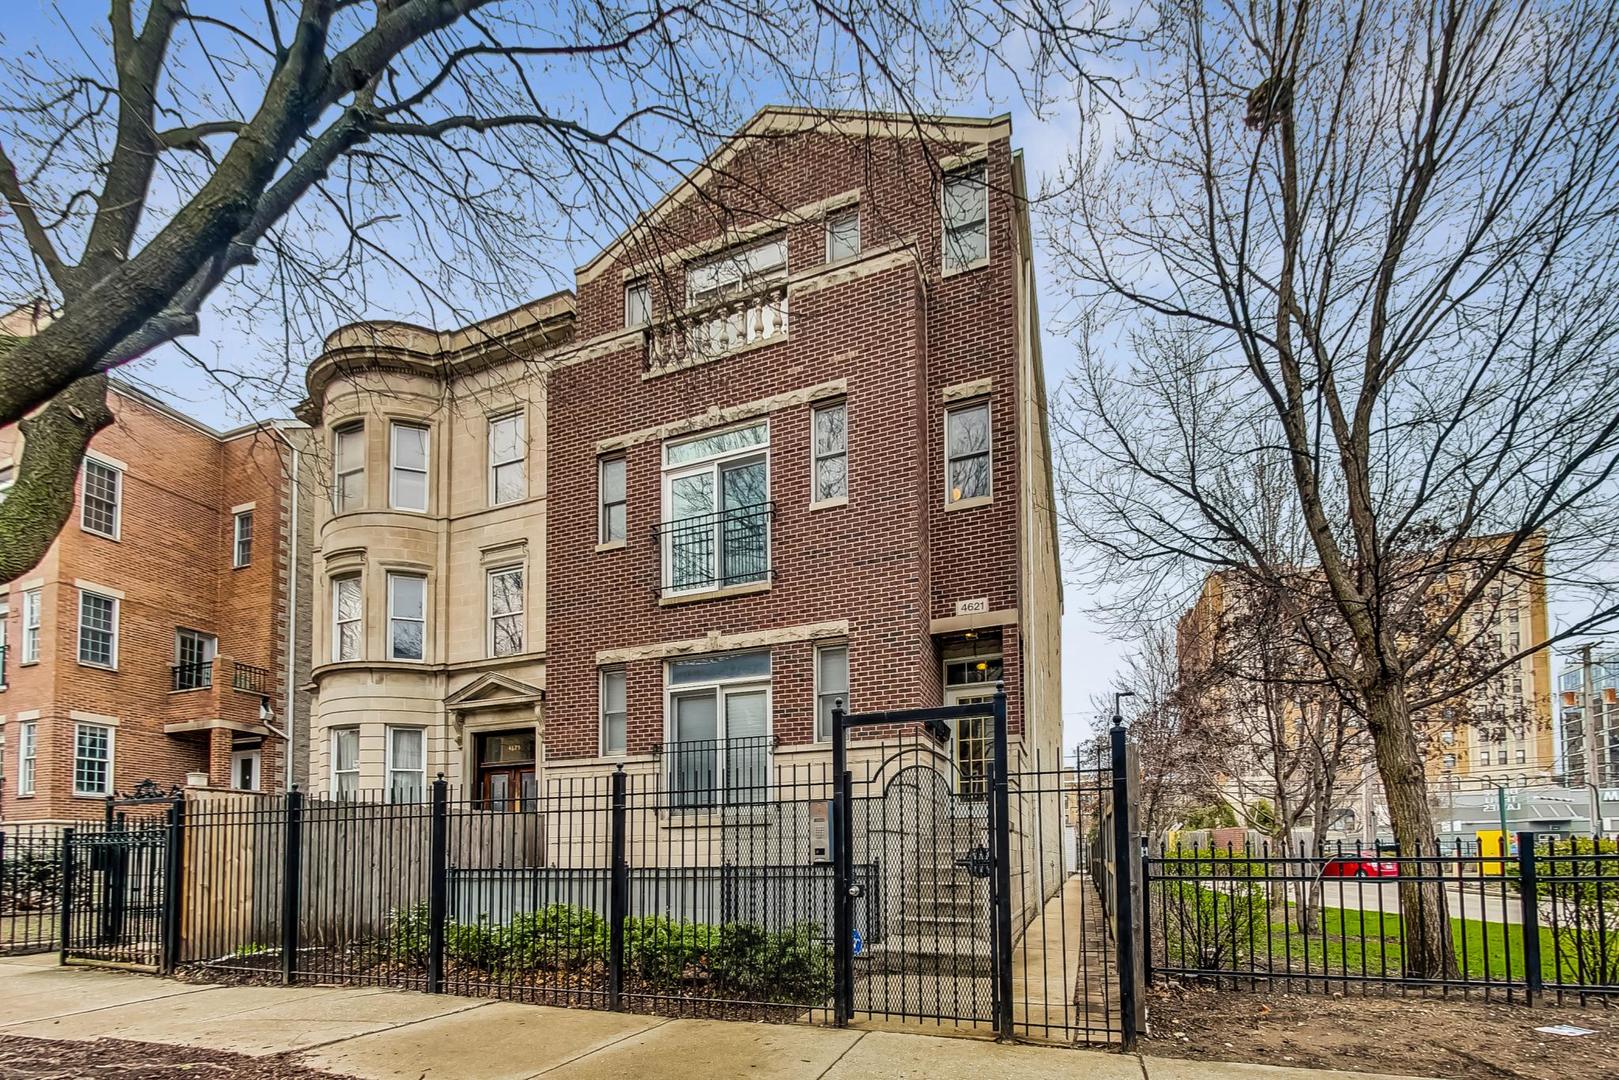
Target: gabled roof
{"x":778,"y":120}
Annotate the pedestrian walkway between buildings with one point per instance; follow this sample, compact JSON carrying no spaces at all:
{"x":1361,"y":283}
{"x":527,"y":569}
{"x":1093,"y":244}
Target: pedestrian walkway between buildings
{"x":380,"y":1034}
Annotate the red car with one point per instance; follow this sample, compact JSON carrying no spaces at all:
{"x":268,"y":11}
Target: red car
{"x":1361,"y":865}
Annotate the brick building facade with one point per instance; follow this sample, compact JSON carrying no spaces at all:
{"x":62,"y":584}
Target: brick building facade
{"x":152,"y":641}
{"x":789,"y":453}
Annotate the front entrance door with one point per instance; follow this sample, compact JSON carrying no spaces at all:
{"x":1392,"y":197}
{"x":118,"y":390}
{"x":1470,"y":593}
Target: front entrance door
{"x":971,"y":742}
{"x":506,"y":770}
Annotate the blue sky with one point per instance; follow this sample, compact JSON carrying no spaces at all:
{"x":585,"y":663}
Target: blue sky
{"x":71,"y":29}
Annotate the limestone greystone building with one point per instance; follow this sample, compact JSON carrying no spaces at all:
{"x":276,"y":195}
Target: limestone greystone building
{"x":761,"y":459}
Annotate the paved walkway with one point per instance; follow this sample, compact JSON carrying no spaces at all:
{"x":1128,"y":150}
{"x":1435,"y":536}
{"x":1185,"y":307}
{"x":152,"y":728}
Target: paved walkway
{"x":395,"y":1035}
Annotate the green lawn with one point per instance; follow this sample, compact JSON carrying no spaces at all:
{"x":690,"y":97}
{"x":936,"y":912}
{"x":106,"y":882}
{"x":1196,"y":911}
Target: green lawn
{"x":1351,"y":942}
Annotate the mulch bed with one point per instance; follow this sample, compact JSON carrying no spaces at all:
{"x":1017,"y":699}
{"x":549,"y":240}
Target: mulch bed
{"x":119,"y":1059}
{"x":580,"y":988}
{"x":1409,"y":1034}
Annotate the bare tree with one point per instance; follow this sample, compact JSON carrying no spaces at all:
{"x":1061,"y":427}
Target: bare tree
{"x":293,"y":163}
{"x":1373,"y":245}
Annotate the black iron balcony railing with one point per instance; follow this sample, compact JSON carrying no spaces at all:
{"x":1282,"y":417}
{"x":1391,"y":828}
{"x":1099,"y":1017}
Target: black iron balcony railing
{"x":715,"y":551}
{"x":254,"y":680}
{"x":717,"y":772}
{"x":195,"y":675}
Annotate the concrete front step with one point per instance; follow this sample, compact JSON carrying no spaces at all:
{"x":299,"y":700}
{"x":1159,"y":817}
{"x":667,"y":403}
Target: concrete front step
{"x":930,"y":954}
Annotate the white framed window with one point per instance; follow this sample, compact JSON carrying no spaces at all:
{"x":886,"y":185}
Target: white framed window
{"x":98,"y":629}
{"x":843,"y":234}
{"x":407,"y":467}
{"x":348,"y":457}
{"x":407,"y":616}
{"x":30,"y":626}
{"x":637,"y":303}
{"x":193,"y":659}
{"x":718,"y":721}
{"x":830,"y":452}
{"x":92,"y":759}
{"x":103,"y":497}
{"x":614,"y":711}
{"x":8,"y":476}
{"x":245,"y":766}
{"x":966,"y":453}
{"x":506,"y":611}
{"x":348,"y":618}
{"x":508,"y":454}
{"x":613,"y":499}
{"x":345,"y":761}
{"x":965,"y":210}
{"x":242,"y":539}
{"x":831,"y":685}
{"x":407,"y":764}
{"x":736,"y":272}
{"x":27,"y":743}
{"x":716,"y":509}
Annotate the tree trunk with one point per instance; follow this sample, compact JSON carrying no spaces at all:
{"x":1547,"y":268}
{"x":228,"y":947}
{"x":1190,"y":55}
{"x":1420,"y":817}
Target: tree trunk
{"x":1424,"y":912}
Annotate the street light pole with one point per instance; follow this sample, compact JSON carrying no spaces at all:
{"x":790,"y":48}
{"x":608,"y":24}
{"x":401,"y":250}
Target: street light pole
{"x":1588,"y":728}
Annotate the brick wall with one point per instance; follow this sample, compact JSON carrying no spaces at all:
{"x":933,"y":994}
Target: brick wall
{"x":888,"y":561}
{"x":170,"y":567}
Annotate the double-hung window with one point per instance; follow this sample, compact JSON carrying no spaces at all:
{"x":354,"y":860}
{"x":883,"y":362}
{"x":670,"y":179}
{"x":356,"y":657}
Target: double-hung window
{"x":716,"y":503}
{"x":843,"y":234}
{"x":407,"y":467}
{"x":242,"y":539}
{"x":193,"y":660}
{"x":8,"y":476}
{"x":348,"y":618}
{"x":345,"y":761}
{"x":966,"y":453}
{"x":407,"y":616}
{"x":830,"y":438}
{"x":736,"y":272}
{"x":407,"y":764}
{"x":348,"y":457}
{"x":30,"y":626}
{"x":506,"y":611}
{"x":719,"y":729}
{"x":615,"y":713}
{"x":27,"y":741}
{"x":611,"y":499}
{"x":92,"y":759}
{"x":508,"y":475}
{"x":98,"y":629}
{"x":103,"y":494}
{"x":831,"y":686}
{"x":637,"y":303}
{"x":966,"y":218}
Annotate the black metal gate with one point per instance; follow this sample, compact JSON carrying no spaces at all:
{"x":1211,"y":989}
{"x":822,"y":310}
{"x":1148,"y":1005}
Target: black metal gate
{"x":117,"y":881}
{"x":936,"y":945}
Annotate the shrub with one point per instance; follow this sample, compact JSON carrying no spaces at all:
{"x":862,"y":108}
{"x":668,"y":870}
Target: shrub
{"x":759,"y":965}
{"x":1213,"y":906}
{"x":1585,"y":895}
{"x":407,"y":933}
{"x":665,"y":951}
{"x":559,"y":936}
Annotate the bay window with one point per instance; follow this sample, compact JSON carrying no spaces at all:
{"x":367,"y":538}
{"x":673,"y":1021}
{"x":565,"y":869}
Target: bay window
{"x":348,"y":468}
{"x":348,"y":618}
{"x":407,"y":468}
{"x":345,"y":761}
{"x":407,"y":764}
{"x":407,"y":616}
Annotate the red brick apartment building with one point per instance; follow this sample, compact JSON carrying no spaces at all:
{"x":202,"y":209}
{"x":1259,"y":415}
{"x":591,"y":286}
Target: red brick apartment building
{"x":152,"y":640}
{"x":755,"y":463}
{"x":800,"y":452}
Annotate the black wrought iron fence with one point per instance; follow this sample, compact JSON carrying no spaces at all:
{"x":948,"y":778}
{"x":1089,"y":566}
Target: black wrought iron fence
{"x":1543,"y":920}
{"x":30,"y":888}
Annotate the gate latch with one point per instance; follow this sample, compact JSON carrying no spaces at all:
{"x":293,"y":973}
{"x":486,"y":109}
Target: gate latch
{"x":976,"y":862}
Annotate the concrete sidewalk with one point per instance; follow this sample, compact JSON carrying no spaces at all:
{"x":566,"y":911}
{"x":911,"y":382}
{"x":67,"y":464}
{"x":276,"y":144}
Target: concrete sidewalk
{"x":396,"y":1035}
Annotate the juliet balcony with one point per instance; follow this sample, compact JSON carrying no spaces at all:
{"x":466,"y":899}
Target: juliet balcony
{"x":710,"y":552}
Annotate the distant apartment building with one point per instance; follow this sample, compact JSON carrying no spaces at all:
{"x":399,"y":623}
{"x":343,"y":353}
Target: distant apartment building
{"x":1596,"y":691}
{"x":1229,"y":655}
{"x":157,"y":639}
{"x":759,"y":461}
